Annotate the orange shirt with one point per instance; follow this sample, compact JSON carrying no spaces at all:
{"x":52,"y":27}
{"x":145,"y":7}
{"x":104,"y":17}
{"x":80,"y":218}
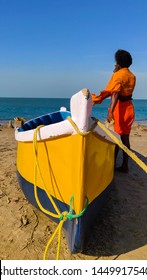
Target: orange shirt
{"x":123,"y":81}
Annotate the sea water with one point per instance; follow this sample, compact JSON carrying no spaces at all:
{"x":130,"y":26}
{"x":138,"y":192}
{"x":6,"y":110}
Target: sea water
{"x":29,"y":108}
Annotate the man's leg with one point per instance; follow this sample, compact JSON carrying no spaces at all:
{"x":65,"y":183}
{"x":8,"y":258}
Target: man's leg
{"x":125,"y":140}
{"x":116,"y":153}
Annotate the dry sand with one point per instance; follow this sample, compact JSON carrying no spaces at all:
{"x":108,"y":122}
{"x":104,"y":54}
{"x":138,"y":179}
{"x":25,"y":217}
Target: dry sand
{"x":120,"y":232}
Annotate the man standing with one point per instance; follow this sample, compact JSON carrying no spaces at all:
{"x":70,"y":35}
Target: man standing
{"x":120,"y":88}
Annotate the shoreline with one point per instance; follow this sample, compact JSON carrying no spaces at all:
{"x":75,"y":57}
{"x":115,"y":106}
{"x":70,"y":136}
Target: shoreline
{"x":140,"y":122}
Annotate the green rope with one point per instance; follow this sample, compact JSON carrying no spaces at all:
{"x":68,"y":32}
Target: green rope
{"x":70,"y":214}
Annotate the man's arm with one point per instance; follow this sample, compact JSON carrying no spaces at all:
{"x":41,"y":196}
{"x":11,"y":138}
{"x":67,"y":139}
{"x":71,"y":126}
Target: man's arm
{"x":113,"y":103}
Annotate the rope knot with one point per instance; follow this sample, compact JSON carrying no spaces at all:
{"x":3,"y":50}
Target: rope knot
{"x":63,"y":216}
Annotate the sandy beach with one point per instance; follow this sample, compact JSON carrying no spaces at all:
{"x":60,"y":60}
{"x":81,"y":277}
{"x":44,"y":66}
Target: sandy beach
{"x":120,"y":232}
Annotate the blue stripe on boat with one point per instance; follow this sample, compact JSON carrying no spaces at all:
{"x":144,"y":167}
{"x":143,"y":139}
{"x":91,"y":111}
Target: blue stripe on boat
{"x":76,"y":229}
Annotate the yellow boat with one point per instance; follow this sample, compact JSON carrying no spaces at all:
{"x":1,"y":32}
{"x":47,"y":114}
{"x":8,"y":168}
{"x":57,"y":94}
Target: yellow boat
{"x":65,"y":166}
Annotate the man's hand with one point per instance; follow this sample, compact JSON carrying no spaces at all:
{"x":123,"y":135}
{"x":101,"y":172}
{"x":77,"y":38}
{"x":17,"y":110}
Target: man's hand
{"x":109,"y":116}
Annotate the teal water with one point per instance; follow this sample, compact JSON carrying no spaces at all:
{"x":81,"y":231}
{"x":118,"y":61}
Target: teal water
{"x":29,"y":108}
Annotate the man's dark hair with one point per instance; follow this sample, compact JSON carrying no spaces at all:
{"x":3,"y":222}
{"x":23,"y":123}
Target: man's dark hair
{"x":123,"y":58}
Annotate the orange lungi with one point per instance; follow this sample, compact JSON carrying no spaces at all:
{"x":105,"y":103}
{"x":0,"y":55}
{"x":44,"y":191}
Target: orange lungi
{"x":123,"y":115}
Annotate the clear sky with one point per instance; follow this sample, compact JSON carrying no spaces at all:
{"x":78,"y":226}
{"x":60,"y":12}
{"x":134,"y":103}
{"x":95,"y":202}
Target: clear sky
{"x":54,"y":48}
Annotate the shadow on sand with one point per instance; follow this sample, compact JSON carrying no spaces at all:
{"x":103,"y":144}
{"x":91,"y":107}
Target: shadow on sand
{"x":121,"y":226}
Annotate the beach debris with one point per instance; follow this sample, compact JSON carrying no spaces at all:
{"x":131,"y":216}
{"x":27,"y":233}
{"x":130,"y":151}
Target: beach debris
{"x":1,"y":193}
{"x":8,"y":200}
{"x":15,"y":199}
{"x":35,"y":226}
{"x":24,"y":220}
{"x":18,"y":224}
{"x":10,"y":125}
{"x":19,"y":119}
{"x":18,"y":122}
{"x":137,"y":134}
{"x":21,"y":207}
{"x":10,"y":239}
{"x":135,"y":125}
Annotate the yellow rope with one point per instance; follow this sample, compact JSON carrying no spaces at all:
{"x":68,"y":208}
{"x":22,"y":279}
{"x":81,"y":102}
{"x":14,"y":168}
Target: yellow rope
{"x":76,"y":128}
{"x":58,"y":230}
{"x":58,"y":215}
{"x":122,"y":146}
{"x":62,"y":216}
{"x":37,"y":168}
{"x":114,"y":138}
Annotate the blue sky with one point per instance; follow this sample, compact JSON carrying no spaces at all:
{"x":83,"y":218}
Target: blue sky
{"x":54,"y":48}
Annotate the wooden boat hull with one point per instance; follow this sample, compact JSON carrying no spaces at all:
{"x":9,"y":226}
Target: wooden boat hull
{"x":75,"y":230}
{"x":63,"y":161}
{"x":75,"y":165}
